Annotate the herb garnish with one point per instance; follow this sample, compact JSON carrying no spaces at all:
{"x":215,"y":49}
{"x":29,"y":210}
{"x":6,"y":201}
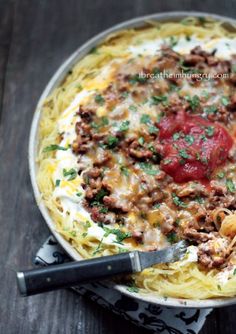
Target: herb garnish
{"x":103,"y":122}
{"x":72,"y":173}
{"x":173,"y":41}
{"x":230,"y":186}
{"x":183,"y":153}
{"x":112,"y":141}
{"x":172,"y":237}
{"x":57,"y":183}
{"x":193,"y":101}
{"x":148,"y":168}
{"x":152,"y":129}
{"x":99,"y":99}
{"x":124,"y":126}
{"x":160,"y":99}
{"x":120,"y":236}
{"x":124,"y":170}
{"x":221,"y":175}
{"x":54,"y":147}
{"x":132,"y":108}
{"x":177,"y":201}
{"x":210,"y":110}
{"x":145,"y":118}
{"x":137,"y":79}
{"x":224,"y":100}
{"x":141,"y":141}
{"x":210,"y":131}
{"x":133,"y":289}
{"x":189,"y":139}
{"x":176,"y":135}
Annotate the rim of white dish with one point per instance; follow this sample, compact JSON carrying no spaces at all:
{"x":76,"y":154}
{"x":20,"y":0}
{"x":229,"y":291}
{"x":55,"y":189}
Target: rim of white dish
{"x":56,"y":79}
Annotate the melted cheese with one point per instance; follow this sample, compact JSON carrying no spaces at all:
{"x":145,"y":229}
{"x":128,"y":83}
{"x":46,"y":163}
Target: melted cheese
{"x":224,"y":47}
{"x":65,"y":192}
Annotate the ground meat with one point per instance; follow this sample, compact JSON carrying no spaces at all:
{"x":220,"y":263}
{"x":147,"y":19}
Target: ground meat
{"x":86,"y":114}
{"x":102,"y":157}
{"x":212,"y":254}
{"x":196,"y":236}
{"x":131,"y":158}
{"x":200,"y":52}
{"x":193,"y":59}
{"x":115,"y":204}
{"x":83,"y":141}
{"x":232,"y":105}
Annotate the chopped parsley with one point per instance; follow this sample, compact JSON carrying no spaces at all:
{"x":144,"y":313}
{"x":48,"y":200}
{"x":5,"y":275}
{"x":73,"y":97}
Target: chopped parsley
{"x":176,"y":135}
{"x":103,"y":122}
{"x":148,"y":168}
{"x":210,"y":131}
{"x":205,"y":94}
{"x":210,"y":110}
{"x":224,"y":101}
{"x":79,"y":194}
{"x":199,"y":199}
{"x":141,"y":141}
{"x":167,"y":161}
{"x":159,"y":99}
{"x":138,"y":79}
{"x":125,"y":94}
{"x":133,"y":289}
{"x":99,"y":99}
{"x":112,"y":141}
{"x":172,"y":237}
{"x":189,"y":139}
{"x":54,"y":147}
{"x":132,"y":108}
{"x":94,"y":50}
{"x":173,"y":41}
{"x":194,"y":101}
{"x":152,"y":129}
{"x":99,"y":196}
{"x":103,"y":209}
{"x":230,"y":186}
{"x":124,"y":126}
{"x":120,"y":236}
{"x":221,"y":175}
{"x":124,"y":170}
{"x":145,"y":119}
{"x":72,"y":173}
{"x":183,"y":153}
{"x":57,"y":183}
{"x":177,"y":201}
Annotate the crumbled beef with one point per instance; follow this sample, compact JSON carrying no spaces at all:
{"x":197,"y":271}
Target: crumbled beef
{"x":212,"y":254}
{"x":86,"y":114}
{"x":193,"y":59}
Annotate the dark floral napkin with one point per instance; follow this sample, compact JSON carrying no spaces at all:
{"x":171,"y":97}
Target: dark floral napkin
{"x":158,"y":319}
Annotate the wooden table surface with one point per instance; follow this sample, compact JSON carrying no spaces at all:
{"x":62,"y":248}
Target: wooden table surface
{"x":36,"y":36}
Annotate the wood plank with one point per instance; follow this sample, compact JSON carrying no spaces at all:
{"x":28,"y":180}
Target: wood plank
{"x":35,"y":37}
{"x":6,"y":23}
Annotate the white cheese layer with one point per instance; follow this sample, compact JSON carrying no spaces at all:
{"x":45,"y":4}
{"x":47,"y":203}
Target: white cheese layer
{"x":224,"y":47}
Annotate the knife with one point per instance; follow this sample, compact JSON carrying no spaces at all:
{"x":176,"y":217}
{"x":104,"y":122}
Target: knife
{"x":31,"y":282}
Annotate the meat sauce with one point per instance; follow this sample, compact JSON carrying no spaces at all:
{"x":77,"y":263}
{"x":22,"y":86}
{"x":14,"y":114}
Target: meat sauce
{"x":161,"y":161}
{"x":192,"y":146}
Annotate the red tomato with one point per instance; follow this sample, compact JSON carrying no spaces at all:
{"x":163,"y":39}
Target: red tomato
{"x":192,"y":146}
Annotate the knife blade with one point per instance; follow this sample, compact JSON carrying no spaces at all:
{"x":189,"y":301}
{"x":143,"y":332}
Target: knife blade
{"x":59,"y":276}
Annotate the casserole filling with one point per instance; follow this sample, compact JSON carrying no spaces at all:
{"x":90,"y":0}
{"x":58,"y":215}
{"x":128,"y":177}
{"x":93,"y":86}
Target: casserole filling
{"x":146,"y":156}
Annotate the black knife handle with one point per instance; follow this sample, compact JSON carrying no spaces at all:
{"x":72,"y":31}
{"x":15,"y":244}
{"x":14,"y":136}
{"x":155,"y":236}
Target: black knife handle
{"x":36,"y":281}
